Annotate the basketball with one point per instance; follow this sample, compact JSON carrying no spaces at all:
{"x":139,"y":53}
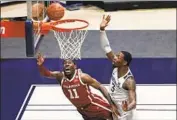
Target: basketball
{"x":38,"y":11}
{"x":55,"y":11}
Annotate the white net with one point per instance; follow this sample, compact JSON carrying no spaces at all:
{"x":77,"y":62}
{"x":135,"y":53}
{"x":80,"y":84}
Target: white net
{"x":70,"y":43}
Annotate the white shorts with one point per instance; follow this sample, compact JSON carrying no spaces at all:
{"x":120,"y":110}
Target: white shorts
{"x":128,"y":116}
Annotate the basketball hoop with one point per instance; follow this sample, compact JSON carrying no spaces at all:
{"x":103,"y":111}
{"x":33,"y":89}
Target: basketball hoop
{"x":70,"y":34}
{"x":69,"y":25}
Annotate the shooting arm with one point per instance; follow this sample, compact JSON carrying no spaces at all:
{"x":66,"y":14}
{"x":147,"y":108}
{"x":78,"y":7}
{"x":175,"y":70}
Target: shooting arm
{"x":49,"y":74}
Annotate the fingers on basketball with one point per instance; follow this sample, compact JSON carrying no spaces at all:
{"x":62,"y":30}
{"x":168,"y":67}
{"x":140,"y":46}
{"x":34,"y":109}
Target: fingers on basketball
{"x":37,"y":25}
{"x":38,"y":11}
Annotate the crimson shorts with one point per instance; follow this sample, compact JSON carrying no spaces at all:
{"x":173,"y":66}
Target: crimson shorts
{"x":98,"y":109}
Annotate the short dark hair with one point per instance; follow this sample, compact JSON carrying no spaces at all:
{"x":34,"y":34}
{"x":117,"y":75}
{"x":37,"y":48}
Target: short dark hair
{"x":127,"y":57}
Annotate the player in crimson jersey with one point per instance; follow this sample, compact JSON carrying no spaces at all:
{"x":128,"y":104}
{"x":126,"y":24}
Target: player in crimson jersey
{"x":75,"y":85}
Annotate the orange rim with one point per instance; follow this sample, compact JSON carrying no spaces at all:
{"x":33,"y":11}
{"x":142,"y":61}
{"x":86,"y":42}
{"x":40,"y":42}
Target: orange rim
{"x":47,"y":26}
{"x":60,"y":29}
{"x":42,"y":27}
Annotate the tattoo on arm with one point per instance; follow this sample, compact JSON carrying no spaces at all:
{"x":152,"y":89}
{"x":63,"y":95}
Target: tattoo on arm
{"x":131,"y":85}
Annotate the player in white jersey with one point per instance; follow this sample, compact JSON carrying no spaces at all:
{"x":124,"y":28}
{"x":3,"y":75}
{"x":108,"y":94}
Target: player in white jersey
{"x":122,"y":84}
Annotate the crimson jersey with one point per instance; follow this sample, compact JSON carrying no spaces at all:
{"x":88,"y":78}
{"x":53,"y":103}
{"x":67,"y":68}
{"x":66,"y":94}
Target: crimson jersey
{"x":80,"y":96}
{"x":76,"y":91}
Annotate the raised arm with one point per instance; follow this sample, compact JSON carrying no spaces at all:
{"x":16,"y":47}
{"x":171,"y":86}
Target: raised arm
{"x":45,"y":72}
{"x":104,"y":39}
{"x":87,"y":79}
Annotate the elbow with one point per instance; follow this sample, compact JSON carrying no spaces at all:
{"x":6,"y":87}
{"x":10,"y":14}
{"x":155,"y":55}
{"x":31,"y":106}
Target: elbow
{"x":107,"y":49}
{"x":42,"y":74}
{"x":132,"y":105}
{"x":45,"y":74}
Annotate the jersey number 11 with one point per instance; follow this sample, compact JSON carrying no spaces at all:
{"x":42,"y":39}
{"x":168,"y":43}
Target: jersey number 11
{"x":73,"y":93}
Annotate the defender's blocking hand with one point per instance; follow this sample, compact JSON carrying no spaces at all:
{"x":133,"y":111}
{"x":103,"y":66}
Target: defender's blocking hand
{"x":105,"y":21}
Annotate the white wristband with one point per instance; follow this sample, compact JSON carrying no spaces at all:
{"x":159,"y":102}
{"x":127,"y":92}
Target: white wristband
{"x":104,"y":42}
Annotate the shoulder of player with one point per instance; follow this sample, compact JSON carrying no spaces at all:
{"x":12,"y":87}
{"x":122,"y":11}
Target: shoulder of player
{"x":130,"y":83}
{"x":86,"y":78}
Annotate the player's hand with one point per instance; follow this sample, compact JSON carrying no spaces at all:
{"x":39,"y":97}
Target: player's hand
{"x":105,"y":21}
{"x":125,"y":105}
{"x":40,"y":59}
{"x":115,"y":112}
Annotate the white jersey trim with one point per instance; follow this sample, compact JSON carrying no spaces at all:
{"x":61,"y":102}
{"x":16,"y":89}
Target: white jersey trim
{"x":79,"y":75}
{"x":101,"y":106}
{"x":72,"y":77}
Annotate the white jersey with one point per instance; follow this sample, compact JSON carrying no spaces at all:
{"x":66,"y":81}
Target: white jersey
{"x":116,"y":90}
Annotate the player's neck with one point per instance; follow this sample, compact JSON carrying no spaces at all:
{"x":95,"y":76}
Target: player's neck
{"x":70,"y":76}
{"x":122,"y":71}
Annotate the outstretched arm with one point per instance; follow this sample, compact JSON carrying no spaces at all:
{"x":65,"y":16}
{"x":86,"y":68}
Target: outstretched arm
{"x":87,"y":79}
{"x":44,"y":71}
{"x":104,"y":39}
{"x":47,"y":73}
